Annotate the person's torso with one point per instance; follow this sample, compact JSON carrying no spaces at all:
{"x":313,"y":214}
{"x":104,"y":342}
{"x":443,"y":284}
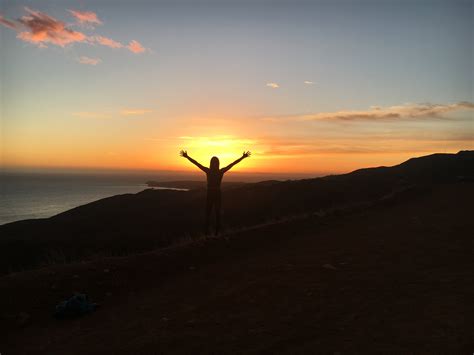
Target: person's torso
{"x":214,"y":179}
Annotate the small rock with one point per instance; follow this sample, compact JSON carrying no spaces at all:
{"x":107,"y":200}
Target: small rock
{"x":192,"y":268}
{"x":76,"y":276}
{"x":106,"y":270}
{"x":329,"y":266}
{"x":164,"y":319}
{"x":108,"y":294}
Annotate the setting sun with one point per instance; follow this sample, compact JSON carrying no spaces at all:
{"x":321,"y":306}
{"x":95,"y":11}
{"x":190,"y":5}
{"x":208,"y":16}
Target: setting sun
{"x":226,"y":147}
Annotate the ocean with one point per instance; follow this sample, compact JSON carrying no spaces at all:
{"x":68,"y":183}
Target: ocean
{"x":26,"y":196}
{"x":42,"y":195}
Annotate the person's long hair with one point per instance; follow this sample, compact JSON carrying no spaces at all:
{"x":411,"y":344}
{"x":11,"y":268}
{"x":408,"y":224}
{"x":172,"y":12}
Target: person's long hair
{"x":214,"y":164}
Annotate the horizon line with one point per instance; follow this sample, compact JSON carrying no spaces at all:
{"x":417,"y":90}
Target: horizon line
{"x":84,"y":170}
{"x":39,"y":169}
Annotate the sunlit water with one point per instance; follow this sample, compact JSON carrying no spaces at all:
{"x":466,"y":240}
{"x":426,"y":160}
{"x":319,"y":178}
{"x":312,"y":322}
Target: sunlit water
{"x":25,"y":196}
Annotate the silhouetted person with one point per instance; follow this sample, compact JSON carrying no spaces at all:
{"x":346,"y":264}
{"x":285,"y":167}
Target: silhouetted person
{"x":214,"y":178}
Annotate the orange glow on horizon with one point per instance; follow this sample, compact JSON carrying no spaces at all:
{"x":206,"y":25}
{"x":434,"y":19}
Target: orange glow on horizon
{"x":323,"y":154}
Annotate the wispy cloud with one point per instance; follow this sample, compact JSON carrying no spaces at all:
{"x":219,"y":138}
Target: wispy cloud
{"x":307,"y":82}
{"x":42,"y":29}
{"x":105,"y":41}
{"x":135,"y":112}
{"x":112,"y":113}
{"x":85,"y":17}
{"x":273,"y":85}
{"x":378,"y":113}
{"x":7,"y":23}
{"x":279,"y":147}
{"x":135,"y":47}
{"x":89,"y":61}
{"x":39,"y":28}
{"x":346,"y":148}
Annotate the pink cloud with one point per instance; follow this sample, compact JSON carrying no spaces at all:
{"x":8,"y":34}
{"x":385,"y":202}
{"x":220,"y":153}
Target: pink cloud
{"x":135,"y":47}
{"x":7,"y":23}
{"x":86,"y":17}
{"x":108,"y":42}
{"x":89,"y":61}
{"x":42,"y":29}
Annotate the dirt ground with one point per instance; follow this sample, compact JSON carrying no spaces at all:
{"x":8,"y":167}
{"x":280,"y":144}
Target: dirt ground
{"x":395,"y":278}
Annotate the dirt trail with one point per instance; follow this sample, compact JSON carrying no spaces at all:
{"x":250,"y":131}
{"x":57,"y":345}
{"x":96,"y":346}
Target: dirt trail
{"x":395,"y":278}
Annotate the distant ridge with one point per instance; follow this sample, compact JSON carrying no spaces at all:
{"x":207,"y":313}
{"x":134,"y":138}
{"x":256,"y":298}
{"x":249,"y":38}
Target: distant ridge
{"x":436,"y":167}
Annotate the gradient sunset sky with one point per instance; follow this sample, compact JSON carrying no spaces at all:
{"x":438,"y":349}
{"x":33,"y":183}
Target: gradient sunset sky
{"x":307,"y":86}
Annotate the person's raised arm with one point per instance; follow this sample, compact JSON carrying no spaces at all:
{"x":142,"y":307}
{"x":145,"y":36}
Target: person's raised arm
{"x":184,"y":154}
{"x":228,"y":167}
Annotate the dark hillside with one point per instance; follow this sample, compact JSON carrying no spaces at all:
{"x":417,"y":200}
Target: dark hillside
{"x":393,"y":279}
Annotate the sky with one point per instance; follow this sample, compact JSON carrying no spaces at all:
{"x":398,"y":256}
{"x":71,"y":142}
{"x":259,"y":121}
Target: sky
{"x":308,"y":86}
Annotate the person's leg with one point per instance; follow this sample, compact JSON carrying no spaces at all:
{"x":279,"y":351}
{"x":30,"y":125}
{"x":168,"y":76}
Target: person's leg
{"x":217,"y":208}
{"x":209,"y":204}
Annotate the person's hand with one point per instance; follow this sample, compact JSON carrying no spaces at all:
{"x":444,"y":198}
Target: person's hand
{"x":183,"y":153}
{"x":246,"y":154}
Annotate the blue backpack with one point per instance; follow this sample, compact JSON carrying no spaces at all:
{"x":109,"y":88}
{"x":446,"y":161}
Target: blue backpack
{"x":75,"y":306}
